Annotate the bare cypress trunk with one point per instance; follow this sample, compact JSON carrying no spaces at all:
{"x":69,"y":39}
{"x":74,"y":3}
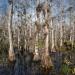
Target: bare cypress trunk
{"x":36,"y":41}
{"x":36,"y":46}
{"x":46,"y":40}
{"x":73,"y":26}
{"x":11,"y":51}
{"x":56,"y":36}
{"x":36,"y":56}
{"x":61,"y":36}
{"x":70,"y":10}
{"x":46,"y":30}
{"x":52,"y":31}
{"x":70,"y":28}
{"x":25,"y":33}
{"x":30,"y":34}
{"x":61,"y":27}
{"x":18,"y":38}
{"x":25,"y":41}
{"x":46,"y":57}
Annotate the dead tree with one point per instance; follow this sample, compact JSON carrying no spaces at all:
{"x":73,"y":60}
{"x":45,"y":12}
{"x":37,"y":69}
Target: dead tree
{"x":61,"y":27}
{"x":38,"y":10}
{"x":73,"y":31}
{"x":46,"y":57}
{"x":10,"y":14}
{"x":70,"y":11}
{"x":52,"y":35}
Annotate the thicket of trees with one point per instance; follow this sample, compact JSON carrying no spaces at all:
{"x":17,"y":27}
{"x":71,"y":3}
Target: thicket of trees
{"x":30,"y":26}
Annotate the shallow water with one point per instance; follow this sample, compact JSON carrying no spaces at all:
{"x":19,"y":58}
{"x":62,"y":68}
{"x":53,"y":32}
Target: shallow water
{"x":27,"y":67}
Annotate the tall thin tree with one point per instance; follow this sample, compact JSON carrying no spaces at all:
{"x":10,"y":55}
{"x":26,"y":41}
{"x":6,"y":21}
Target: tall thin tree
{"x":10,"y":14}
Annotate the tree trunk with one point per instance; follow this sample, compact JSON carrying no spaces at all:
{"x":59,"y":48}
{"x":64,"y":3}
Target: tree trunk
{"x":46,"y":57}
{"x":70,"y":28}
{"x":18,"y":38}
{"x":36,"y":56}
{"x":61,"y":27}
{"x":11,"y":51}
{"x":52,"y":32}
{"x":61,"y":36}
{"x":73,"y":26}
